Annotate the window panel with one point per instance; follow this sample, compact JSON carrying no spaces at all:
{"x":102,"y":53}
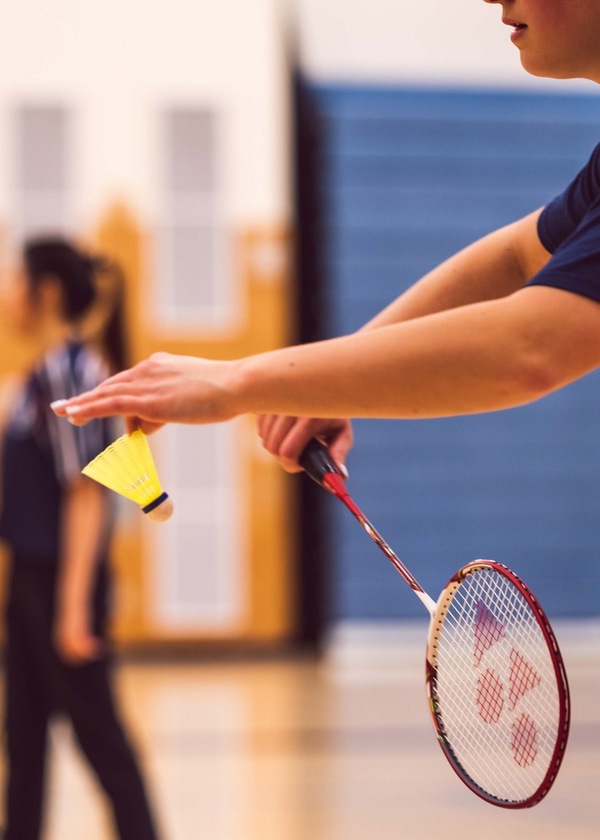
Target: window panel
{"x":199,"y":570}
{"x":194,"y":284}
{"x":42,"y":178}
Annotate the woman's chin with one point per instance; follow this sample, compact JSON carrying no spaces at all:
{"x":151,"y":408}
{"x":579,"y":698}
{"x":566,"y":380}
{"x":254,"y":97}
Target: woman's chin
{"x":548,"y":69}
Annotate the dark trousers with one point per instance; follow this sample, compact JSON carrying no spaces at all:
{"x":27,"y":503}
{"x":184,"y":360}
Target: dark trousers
{"x":39,"y":684}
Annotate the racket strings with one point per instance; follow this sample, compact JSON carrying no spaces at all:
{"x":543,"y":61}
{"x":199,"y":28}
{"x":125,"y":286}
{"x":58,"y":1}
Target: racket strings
{"x":496,"y":687}
{"x":519,"y":667}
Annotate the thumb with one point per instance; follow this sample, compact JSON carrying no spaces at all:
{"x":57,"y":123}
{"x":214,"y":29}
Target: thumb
{"x":339,"y":451}
{"x":132,"y":424}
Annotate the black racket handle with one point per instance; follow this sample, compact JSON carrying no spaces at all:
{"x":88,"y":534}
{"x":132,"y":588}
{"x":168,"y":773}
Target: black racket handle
{"x":317,"y":462}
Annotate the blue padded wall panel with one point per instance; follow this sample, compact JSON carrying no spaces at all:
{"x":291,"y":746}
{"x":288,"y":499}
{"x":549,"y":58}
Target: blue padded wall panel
{"x":408,"y":178}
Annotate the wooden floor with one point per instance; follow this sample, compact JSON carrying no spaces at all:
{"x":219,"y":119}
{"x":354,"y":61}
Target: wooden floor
{"x":340,"y":749}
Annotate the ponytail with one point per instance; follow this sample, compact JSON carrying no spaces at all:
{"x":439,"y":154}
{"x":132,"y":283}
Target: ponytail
{"x":84,"y":280}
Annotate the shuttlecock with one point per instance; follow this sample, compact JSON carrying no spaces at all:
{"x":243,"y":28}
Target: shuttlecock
{"x":127,"y":467}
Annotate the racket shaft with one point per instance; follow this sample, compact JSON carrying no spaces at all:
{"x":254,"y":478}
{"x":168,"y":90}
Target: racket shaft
{"x":336,"y":486}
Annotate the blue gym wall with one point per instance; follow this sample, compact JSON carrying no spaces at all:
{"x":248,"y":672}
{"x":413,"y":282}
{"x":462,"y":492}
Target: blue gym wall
{"x":408,"y":177}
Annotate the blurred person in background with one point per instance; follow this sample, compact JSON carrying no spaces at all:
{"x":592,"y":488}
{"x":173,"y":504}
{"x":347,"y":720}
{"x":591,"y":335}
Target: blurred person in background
{"x":58,"y":527}
{"x":504,"y":322}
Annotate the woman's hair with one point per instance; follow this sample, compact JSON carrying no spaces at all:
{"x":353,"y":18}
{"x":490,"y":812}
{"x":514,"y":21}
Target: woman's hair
{"x":76,"y":272}
{"x":73,"y":269}
{"x":114,"y":333}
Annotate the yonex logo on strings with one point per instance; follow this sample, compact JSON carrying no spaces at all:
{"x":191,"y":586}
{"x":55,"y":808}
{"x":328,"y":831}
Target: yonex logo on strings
{"x":491,"y":693}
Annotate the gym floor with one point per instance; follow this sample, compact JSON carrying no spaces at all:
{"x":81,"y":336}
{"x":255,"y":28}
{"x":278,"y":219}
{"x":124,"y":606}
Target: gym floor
{"x":340,"y":749}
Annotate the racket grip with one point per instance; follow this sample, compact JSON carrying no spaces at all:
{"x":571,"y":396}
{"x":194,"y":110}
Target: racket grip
{"x":317,"y":462}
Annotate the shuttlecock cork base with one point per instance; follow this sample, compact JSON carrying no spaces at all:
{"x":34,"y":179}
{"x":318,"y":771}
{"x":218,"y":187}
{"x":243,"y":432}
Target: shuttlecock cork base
{"x":127,"y":467}
{"x":160,"y":509}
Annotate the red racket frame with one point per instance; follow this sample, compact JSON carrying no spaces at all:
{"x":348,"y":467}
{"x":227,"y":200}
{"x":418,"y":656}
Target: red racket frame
{"x":443,"y":605}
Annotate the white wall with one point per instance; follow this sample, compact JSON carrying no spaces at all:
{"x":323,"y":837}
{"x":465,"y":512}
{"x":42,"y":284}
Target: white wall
{"x":449,"y":42}
{"x":116,"y":62}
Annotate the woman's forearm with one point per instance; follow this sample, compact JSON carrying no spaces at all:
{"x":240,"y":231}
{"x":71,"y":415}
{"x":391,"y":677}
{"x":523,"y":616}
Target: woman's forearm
{"x":473,"y":359}
{"x":82,"y":523}
{"x":493,"y":267}
{"x":430,"y":367}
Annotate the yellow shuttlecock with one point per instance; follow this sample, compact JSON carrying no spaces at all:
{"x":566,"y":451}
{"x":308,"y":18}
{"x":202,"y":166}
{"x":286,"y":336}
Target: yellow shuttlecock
{"x":127,"y":467}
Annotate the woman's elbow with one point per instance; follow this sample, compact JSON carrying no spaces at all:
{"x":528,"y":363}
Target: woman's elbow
{"x":540,"y":372}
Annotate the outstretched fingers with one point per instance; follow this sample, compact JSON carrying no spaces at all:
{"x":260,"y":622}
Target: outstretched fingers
{"x":109,"y":405}
{"x":161,"y":389}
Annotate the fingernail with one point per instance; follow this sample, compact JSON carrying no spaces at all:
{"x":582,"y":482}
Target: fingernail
{"x":73,"y":409}
{"x":57,"y":404}
{"x":344,"y":471}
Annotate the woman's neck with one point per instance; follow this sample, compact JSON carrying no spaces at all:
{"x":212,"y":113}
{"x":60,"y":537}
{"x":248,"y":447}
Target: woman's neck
{"x":53,"y":333}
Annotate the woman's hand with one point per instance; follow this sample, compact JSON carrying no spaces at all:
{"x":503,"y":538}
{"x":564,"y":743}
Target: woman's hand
{"x":286,"y":438}
{"x":73,"y":639}
{"x":163,"y":389}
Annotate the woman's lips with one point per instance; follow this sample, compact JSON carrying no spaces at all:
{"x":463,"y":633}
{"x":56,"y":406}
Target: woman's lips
{"x":519,"y":30}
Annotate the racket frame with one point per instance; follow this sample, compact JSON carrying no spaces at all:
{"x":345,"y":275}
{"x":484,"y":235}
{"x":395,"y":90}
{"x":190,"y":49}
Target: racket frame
{"x":435,"y":629}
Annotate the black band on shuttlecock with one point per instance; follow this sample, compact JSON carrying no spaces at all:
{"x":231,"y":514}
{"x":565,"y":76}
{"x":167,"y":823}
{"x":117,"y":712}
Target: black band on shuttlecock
{"x":153,"y":505}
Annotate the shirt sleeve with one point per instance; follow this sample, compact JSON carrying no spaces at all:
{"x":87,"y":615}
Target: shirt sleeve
{"x":67,"y":374}
{"x":569,"y":229}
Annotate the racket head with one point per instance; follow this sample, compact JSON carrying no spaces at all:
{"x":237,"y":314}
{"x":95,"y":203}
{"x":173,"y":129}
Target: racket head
{"x":497,"y":686}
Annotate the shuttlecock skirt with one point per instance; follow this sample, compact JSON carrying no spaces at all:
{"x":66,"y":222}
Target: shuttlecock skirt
{"x":127,"y":467}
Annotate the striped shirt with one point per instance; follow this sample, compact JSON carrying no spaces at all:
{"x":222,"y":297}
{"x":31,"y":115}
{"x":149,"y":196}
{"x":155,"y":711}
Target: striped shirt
{"x":44,"y":454}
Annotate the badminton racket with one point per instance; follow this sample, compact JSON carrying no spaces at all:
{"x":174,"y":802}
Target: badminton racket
{"x":496,"y":683}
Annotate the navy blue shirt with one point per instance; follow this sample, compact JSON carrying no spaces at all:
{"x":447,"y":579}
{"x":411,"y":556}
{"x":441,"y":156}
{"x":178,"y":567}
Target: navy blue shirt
{"x":43,"y":454}
{"x":569,"y":228}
